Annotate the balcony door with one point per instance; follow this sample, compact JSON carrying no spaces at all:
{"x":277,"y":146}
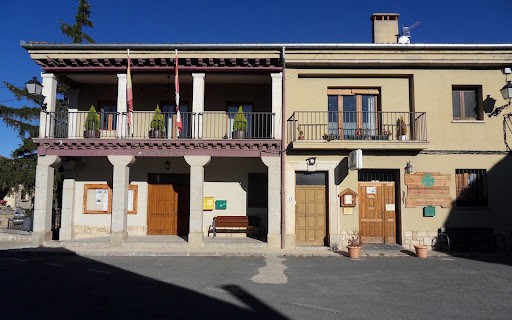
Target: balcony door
{"x":108,"y":115}
{"x":352,"y":113}
{"x":168,"y":110}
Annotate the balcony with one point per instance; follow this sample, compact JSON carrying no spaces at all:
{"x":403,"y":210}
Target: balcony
{"x":212,"y":125}
{"x":208,"y":133}
{"x":357,"y":130}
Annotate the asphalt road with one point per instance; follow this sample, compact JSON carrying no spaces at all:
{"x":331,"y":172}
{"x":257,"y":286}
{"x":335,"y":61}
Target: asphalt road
{"x":59,"y":287}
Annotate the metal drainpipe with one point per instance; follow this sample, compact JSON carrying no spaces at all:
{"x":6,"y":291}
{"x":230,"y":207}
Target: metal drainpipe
{"x":283,"y":194}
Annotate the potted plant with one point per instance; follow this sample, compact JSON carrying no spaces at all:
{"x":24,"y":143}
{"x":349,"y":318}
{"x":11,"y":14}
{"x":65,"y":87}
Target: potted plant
{"x":354,"y":244}
{"x":421,"y":251}
{"x":401,"y":129}
{"x":92,"y":124}
{"x":239,"y":124}
{"x":157,"y":125}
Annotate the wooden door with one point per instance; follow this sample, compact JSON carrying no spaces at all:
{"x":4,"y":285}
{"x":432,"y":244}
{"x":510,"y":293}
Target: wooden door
{"x":162,"y":209}
{"x":310,"y":215}
{"x":377,"y":217}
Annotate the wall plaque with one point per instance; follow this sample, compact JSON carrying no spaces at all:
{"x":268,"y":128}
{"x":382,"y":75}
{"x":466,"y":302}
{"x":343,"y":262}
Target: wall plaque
{"x":428,"y":189}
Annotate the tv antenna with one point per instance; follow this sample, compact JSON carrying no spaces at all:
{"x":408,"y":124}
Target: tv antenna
{"x":405,"y":38}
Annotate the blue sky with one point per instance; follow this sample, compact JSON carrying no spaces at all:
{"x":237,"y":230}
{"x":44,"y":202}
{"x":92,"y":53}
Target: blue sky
{"x":232,"y":21}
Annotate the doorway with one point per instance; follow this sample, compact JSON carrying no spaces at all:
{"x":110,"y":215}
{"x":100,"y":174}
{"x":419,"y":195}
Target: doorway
{"x":168,"y":204}
{"x":377,"y":215}
{"x":311,"y":208}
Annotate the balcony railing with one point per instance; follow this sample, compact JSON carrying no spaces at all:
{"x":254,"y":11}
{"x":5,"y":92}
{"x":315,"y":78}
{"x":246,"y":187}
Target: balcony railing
{"x":137,"y":125}
{"x":348,"y":125}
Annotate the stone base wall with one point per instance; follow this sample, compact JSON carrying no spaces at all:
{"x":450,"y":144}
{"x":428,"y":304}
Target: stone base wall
{"x":81,"y":232}
{"x":15,"y":235}
{"x":412,"y":238}
{"x":339,"y":242}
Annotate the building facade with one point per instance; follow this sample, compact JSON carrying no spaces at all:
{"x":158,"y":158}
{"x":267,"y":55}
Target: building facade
{"x":425,"y":107}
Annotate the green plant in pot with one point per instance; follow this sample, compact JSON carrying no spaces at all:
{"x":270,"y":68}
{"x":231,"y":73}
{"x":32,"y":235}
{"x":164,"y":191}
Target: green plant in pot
{"x":157,"y":125}
{"x":239,"y":124}
{"x":92,"y":124}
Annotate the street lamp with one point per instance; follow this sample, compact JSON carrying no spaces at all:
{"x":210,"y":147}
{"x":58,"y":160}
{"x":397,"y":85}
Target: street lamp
{"x":35,"y":88}
{"x":506,"y":91}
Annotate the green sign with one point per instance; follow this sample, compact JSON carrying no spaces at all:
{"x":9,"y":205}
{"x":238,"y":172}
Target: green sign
{"x":427,"y":180}
{"x":220,"y":204}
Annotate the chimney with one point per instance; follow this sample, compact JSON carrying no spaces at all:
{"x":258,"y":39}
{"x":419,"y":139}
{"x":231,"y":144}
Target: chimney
{"x":385,"y":27}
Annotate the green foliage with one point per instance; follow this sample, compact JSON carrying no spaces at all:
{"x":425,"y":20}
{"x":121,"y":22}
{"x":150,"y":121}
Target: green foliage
{"x":92,"y":121}
{"x":82,"y":20}
{"x":158,"y":120}
{"x":240,"y":122}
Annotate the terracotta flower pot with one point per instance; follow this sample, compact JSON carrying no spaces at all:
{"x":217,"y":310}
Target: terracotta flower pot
{"x":421,"y":251}
{"x":354,"y":252}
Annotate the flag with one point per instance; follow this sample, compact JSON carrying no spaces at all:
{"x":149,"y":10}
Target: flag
{"x":129,"y":91}
{"x":177,"y":89}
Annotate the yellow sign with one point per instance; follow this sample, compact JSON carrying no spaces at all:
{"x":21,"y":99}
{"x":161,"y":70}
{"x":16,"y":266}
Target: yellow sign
{"x":208,"y":203}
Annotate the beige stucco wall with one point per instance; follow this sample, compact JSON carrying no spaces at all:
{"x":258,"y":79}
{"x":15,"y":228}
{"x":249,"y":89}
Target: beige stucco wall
{"x":411,"y":219}
{"x":225,"y":179}
{"x":430,"y":91}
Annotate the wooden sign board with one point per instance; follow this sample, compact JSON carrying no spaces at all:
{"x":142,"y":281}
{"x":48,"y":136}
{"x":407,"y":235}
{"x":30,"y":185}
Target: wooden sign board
{"x":428,"y":189}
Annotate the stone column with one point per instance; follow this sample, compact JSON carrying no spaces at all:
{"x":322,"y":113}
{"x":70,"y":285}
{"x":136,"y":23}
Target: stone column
{"x":198,"y":103}
{"x":121,"y":179}
{"x":68,"y":201}
{"x":196,"y":233}
{"x":274,"y":201}
{"x":277,"y":102}
{"x":42,"y":230}
{"x":50,"y":94}
{"x":122,"y":124}
{"x":73,"y":129}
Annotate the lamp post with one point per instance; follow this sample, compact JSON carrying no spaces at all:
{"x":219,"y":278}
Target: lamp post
{"x":35,"y":88}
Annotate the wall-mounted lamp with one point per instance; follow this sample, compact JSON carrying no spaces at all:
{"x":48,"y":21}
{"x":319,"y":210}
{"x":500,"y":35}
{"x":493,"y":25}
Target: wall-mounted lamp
{"x":311,"y":161}
{"x":408,"y":168}
{"x":167,"y":165}
{"x":506,"y":91}
{"x":35,"y":88}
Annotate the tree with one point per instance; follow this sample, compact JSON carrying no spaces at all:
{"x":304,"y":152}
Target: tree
{"x":21,"y":168}
{"x":82,"y":20}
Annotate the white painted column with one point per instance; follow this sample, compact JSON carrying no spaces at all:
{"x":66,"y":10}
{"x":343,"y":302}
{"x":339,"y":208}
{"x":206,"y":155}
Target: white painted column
{"x":122,"y":124}
{"x":42,"y":227}
{"x":50,"y":94}
{"x":274,"y":201}
{"x":277,"y":102}
{"x":121,"y":179}
{"x":198,"y":103}
{"x":196,"y":234}
{"x":74,"y":130}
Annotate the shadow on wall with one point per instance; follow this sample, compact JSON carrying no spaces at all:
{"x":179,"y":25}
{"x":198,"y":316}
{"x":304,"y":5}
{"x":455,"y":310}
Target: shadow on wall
{"x":483,"y":202}
{"x":87,"y":289}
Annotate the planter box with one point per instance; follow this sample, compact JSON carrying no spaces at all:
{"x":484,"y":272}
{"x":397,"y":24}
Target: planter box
{"x":92,"y":134}
{"x":157,"y":134}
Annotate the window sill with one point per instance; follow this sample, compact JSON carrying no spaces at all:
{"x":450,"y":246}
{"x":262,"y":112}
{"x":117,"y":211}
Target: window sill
{"x":468,"y":121}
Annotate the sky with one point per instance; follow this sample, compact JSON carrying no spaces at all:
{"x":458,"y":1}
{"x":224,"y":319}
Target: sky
{"x":235,"y":21}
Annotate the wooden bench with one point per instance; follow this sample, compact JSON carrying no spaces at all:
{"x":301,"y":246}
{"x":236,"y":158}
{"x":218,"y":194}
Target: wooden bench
{"x":228,"y":223}
{"x":464,"y":238}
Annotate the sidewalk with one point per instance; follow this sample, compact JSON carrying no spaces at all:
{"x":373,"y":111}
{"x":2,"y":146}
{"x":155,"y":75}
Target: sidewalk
{"x":221,"y":248}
